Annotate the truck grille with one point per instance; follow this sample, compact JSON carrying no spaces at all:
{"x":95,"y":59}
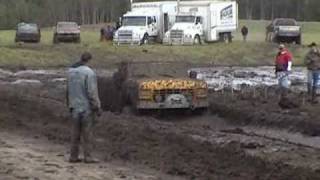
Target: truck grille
{"x":165,"y":92}
{"x":125,"y":35}
{"x":176,"y":34}
{"x":174,"y":91}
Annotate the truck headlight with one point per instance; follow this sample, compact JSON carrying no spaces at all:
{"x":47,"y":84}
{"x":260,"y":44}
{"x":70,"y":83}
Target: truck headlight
{"x":201,"y":93}
{"x":159,"y":98}
{"x":145,"y":94}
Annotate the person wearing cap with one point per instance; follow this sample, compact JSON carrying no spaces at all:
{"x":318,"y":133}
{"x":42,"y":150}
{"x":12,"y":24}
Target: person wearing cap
{"x":84,"y":105}
{"x":283,"y":67}
{"x":312,"y":61}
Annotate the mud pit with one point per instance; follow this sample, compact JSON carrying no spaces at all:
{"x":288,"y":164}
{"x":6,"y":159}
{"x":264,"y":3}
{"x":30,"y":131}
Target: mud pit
{"x":175,"y":147}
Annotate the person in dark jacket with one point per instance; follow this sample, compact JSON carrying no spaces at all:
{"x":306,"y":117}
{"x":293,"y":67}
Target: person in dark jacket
{"x":84,"y":105}
{"x":244,"y":32}
{"x":312,"y":61}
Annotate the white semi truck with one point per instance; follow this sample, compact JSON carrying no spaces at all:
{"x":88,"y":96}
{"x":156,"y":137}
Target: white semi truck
{"x":145,"y":22}
{"x":203,"y":21}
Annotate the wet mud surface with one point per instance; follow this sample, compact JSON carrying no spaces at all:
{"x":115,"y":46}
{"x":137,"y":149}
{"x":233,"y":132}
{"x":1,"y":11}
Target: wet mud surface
{"x":171,"y":147}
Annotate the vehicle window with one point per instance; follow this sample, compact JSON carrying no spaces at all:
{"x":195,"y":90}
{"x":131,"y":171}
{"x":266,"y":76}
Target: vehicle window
{"x":149,"y":20}
{"x":134,"y":21}
{"x":285,"y":22}
{"x":67,"y":26}
{"x":154,"y":19}
{"x":185,"y":19}
{"x":27,"y":27}
{"x":198,"y":20}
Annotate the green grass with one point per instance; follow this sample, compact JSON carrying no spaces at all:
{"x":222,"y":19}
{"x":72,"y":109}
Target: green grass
{"x":47,"y":55}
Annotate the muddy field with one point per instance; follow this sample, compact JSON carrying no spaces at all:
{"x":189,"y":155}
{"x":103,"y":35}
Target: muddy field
{"x":244,"y":136}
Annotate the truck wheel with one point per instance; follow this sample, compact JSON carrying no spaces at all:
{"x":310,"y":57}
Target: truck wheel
{"x":225,"y":37}
{"x":78,"y":40}
{"x":197,"y":40}
{"x":145,"y":39}
{"x":55,"y":39}
{"x":298,"y":40}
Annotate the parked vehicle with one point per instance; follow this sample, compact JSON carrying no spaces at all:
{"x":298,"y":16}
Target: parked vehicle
{"x":145,"y":22}
{"x":283,"y":30}
{"x":28,"y":33}
{"x":203,"y":21}
{"x":66,"y":32}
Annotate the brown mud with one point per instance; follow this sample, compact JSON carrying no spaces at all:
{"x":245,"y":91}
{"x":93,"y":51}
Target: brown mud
{"x":185,"y":147}
{"x":263,"y":108}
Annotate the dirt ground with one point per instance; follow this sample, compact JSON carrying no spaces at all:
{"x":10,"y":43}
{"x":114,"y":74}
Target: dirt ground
{"x":243,"y":137}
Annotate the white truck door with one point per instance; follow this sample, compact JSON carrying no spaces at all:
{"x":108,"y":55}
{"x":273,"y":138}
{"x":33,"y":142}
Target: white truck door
{"x":152,"y":28}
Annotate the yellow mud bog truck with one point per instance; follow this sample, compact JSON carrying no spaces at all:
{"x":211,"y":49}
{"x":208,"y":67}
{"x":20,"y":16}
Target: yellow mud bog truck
{"x":170,"y":93}
{"x":156,"y":91}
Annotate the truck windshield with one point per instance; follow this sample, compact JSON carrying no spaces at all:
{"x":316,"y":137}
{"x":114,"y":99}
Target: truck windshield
{"x":285,"y":22}
{"x":27,"y":28}
{"x":67,"y":26}
{"x":185,"y":19}
{"x":134,"y":21}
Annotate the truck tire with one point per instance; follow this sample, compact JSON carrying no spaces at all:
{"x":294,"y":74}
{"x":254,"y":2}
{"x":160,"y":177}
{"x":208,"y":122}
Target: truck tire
{"x":197,"y":40}
{"x":78,"y":40}
{"x":225,"y":37}
{"x":298,"y":40}
{"x":55,"y":39}
{"x":145,"y":39}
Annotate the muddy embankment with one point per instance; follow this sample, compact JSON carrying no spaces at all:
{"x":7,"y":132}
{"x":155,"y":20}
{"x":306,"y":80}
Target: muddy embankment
{"x":165,"y":146}
{"x":250,"y":96}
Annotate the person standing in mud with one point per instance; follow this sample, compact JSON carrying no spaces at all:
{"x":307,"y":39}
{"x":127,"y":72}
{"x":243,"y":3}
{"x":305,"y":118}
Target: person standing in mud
{"x":84,"y":105}
{"x":283,"y":67}
{"x":312,"y":61}
{"x":119,"y":79}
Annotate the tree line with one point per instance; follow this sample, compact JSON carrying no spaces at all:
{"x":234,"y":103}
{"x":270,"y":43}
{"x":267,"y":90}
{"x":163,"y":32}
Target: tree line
{"x":48,"y":12}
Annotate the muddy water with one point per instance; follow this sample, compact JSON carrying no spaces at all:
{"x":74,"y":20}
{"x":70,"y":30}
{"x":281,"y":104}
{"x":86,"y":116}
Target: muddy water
{"x":219,"y":78}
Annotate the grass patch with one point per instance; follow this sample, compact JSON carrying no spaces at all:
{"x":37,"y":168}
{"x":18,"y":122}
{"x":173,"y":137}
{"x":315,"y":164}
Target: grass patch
{"x":47,"y":55}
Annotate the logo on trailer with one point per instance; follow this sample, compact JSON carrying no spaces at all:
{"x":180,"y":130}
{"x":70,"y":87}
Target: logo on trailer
{"x":226,"y":15}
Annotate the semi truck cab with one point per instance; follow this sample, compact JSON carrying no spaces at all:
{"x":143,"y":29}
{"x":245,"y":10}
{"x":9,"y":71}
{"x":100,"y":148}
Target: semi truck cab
{"x":137,"y":28}
{"x":188,"y":29}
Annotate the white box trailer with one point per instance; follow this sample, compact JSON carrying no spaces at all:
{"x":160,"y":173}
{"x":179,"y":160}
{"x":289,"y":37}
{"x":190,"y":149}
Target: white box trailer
{"x":146,"y":21}
{"x":203,"y":21}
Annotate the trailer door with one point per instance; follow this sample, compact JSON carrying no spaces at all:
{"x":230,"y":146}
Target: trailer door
{"x":213,"y":24}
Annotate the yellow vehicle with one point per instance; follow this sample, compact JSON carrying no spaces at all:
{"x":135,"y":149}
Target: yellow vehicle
{"x":170,"y":93}
{"x":152,"y":86}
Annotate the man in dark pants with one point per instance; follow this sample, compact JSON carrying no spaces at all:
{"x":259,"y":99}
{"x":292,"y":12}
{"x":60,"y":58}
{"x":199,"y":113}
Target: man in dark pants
{"x":244,"y":32}
{"x":84,"y":104}
{"x":312,"y":61}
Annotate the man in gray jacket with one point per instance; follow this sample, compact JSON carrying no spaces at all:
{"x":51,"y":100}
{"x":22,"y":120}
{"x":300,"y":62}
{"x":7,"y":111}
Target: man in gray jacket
{"x":84,"y":104}
{"x":312,"y":61}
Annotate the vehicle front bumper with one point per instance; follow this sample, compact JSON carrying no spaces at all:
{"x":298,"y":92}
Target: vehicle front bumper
{"x":68,"y":36}
{"x":126,"y":41}
{"x":154,"y":105}
{"x":178,"y":41}
{"x":288,"y":34}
